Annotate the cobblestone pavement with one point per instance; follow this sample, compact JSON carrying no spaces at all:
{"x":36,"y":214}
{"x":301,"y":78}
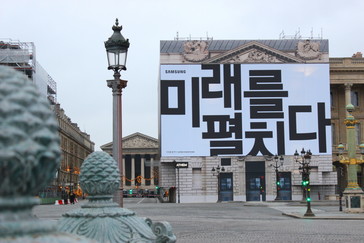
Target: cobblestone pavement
{"x":238,"y":222}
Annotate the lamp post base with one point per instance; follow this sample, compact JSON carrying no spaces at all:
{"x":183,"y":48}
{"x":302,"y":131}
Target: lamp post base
{"x":309,"y":211}
{"x":354,"y":201}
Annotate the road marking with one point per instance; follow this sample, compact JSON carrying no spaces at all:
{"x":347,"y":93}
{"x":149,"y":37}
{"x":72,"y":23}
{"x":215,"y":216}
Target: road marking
{"x":141,"y":200}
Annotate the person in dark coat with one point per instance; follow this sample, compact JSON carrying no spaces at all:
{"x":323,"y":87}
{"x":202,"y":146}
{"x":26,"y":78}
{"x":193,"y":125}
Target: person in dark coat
{"x":72,"y":198}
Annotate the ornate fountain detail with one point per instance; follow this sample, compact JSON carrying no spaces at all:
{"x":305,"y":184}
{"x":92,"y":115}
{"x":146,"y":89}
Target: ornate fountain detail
{"x":102,"y":219}
{"x":29,"y":156}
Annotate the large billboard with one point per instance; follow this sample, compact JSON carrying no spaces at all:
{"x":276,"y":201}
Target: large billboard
{"x":244,"y":109}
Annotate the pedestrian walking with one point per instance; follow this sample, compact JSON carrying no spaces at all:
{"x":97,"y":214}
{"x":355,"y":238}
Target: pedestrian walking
{"x":72,"y":198}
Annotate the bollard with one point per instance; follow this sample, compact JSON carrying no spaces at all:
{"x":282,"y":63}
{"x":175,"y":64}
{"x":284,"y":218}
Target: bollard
{"x":29,"y":157}
{"x":101,"y":218}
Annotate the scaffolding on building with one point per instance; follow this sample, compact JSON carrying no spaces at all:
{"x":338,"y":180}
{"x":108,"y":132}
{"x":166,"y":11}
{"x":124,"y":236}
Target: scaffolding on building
{"x":22,"y":57}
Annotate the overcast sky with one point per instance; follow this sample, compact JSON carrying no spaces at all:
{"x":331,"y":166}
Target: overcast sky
{"x":69,"y":36}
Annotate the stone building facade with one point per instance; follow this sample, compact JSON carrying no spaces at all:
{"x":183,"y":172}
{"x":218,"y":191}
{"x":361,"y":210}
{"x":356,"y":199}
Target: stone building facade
{"x":140,"y":161}
{"x":347,"y":83}
{"x":243,"y":175}
{"x":75,"y":146}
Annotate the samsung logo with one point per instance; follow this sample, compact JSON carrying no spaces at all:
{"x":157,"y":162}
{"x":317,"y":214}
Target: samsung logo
{"x":175,"y":71}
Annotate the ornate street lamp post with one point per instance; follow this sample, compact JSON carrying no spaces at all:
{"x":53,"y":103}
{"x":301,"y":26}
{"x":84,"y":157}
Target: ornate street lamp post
{"x":304,"y":160}
{"x":353,"y":192}
{"x":216,"y":172}
{"x":117,"y":49}
{"x":276,"y":166}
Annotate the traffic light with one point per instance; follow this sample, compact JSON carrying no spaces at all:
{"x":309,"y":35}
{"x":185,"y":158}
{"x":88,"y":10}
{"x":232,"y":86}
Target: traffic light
{"x":305,"y":180}
{"x":261,"y":186}
{"x":308,"y":198}
{"x":130,"y":191}
{"x":305,"y":183}
{"x":158,"y":190}
{"x":261,"y":189}
{"x":278,"y":183}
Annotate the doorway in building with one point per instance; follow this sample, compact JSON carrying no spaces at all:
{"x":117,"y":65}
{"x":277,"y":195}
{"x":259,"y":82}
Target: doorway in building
{"x":226,"y":187}
{"x":255,"y":181}
{"x":172,"y":195}
{"x":285,"y":190}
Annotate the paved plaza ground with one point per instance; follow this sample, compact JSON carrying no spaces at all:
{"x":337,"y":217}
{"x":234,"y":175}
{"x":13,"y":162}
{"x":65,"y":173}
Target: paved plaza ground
{"x":241,"y":222}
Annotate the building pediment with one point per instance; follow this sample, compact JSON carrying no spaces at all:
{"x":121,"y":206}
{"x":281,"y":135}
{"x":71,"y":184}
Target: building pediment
{"x":254,"y":52}
{"x":106,"y":147}
{"x":139,"y":140}
{"x":135,"y":141}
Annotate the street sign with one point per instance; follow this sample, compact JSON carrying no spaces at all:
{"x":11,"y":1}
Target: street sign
{"x":181,"y":165}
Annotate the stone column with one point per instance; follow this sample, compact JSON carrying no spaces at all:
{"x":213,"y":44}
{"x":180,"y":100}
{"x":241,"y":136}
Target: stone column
{"x":142,"y":160}
{"x":348,"y":94}
{"x":117,"y":86}
{"x":352,"y":191}
{"x":151,"y":171}
{"x":132,"y":176}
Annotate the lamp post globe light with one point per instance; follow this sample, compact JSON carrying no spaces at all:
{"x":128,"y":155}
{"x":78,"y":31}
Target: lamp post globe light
{"x":304,"y":160}
{"x":116,"y":50}
{"x":216,"y":172}
{"x":276,"y":166}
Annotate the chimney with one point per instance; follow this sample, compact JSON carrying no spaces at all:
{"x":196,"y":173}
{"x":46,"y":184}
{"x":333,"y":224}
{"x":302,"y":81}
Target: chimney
{"x":358,"y":55}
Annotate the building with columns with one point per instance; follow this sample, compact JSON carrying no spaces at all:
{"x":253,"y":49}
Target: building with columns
{"x":247,"y":176}
{"x":198,"y":183}
{"x":346,"y":86}
{"x":140,"y":161}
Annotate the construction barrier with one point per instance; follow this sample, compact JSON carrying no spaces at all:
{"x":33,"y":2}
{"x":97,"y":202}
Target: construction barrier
{"x":59,"y":202}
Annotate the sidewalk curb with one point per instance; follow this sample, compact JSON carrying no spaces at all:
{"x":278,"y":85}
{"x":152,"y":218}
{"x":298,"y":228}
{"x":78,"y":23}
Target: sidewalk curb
{"x":299,"y":216}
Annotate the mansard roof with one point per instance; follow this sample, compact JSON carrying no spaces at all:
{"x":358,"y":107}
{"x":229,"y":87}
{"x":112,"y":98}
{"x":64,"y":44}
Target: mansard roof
{"x":284,"y":45}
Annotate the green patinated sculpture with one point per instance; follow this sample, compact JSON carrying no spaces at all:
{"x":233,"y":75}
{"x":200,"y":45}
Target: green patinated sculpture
{"x":29,"y":157}
{"x":102,"y":219}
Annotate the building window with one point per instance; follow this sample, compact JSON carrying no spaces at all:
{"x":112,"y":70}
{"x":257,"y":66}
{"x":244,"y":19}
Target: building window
{"x":333,"y":135}
{"x":331,"y":99}
{"x":225,"y":161}
{"x":196,"y":178}
{"x":354,"y":98}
